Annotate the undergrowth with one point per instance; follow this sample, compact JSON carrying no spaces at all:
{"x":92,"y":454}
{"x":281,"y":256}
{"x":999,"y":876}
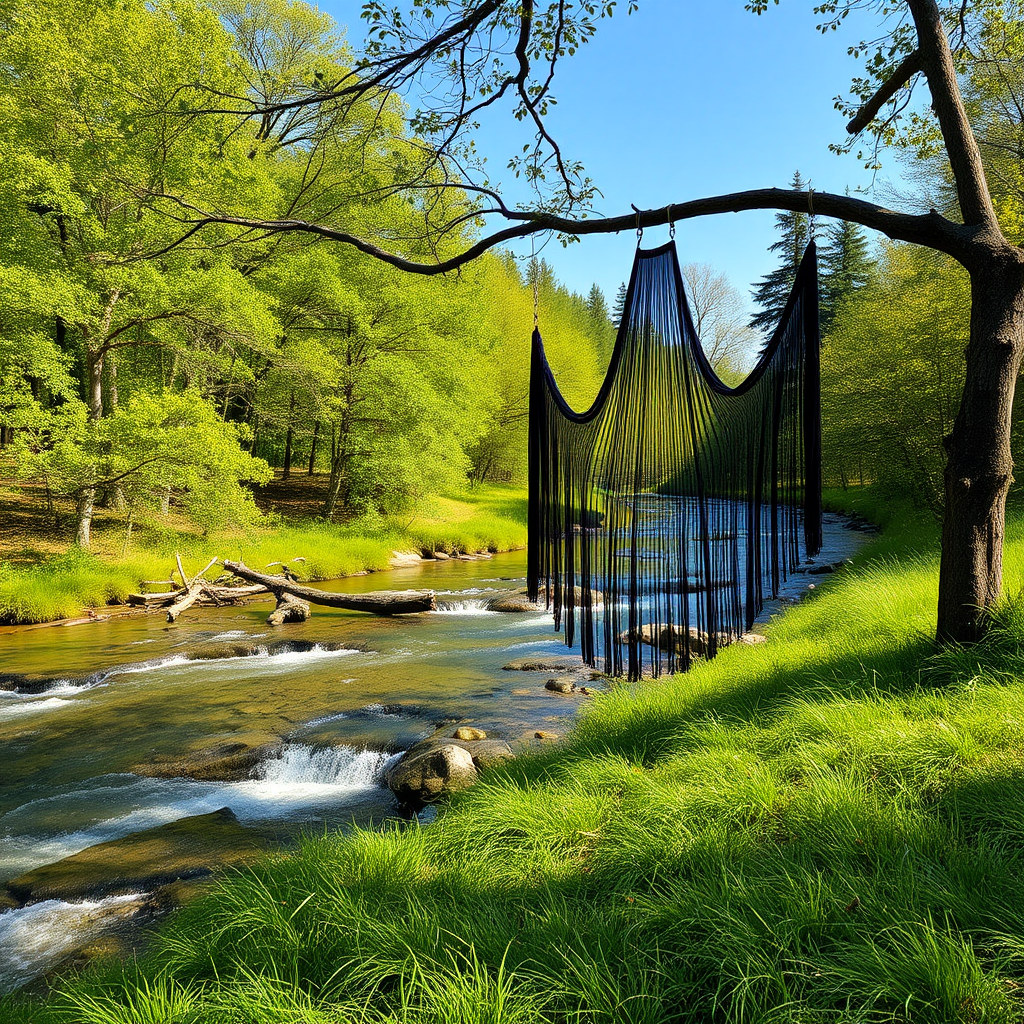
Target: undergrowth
{"x":828,"y":827}
{"x":61,"y":586}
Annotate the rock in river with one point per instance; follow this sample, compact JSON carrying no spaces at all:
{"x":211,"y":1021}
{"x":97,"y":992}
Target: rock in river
{"x":428,"y":772}
{"x":563,"y":684}
{"x":184,"y":849}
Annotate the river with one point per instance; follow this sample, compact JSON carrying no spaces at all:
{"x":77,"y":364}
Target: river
{"x":97,"y":753}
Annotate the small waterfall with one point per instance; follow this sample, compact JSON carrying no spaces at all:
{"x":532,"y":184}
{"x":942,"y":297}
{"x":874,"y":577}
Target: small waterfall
{"x":473,"y":606}
{"x":335,"y":767}
{"x":35,"y":938}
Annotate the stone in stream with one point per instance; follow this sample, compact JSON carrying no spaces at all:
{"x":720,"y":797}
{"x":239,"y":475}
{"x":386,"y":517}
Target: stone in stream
{"x":562,"y":684}
{"x":519,"y":601}
{"x":514,"y":601}
{"x":428,"y":772}
{"x":223,"y":762}
{"x":435,"y":767}
{"x":542,"y":734}
{"x":466,"y":732}
{"x":540,"y":663}
{"x":190,"y":848}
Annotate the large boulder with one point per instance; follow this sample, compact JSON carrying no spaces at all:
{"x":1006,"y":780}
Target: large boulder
{"x":519,"y":601}
{"x":514,"y":601}
{"x":429,"y":772}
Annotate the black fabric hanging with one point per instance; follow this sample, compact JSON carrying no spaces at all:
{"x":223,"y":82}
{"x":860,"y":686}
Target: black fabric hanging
{"x":661,"y":518}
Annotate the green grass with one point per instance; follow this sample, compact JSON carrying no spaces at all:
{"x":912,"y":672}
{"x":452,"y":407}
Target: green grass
{"x":489,"y":518}
{"x":828,"y":827}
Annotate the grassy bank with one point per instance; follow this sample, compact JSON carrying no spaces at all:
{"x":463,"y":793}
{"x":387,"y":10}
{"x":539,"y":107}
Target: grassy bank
{"x":828,"y":827}
{"x":41,"y":585}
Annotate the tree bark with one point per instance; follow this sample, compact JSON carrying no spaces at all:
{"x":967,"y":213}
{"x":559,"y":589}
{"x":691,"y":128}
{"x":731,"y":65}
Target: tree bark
{"x":289,"y":436}
{"x":83,"y":513}
{"x":312,"y":447}
{"x":979,"y":470}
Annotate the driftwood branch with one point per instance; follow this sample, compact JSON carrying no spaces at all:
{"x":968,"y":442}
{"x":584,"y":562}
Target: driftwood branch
{"x":383,"y":602}
{"x":289,"y":609}
{"x":192,"y":595}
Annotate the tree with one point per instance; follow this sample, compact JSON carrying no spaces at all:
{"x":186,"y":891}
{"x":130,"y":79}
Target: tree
{"x":599,"y":322}
{"x":620,"y":305}
{"x":845,"y":268}
{"x":720,"y":319}
{"x":772,"y":292}
{"x":892,"y":368}
{"x":523,"y":43}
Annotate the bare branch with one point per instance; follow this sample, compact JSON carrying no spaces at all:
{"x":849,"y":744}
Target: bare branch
{"x":930,"y":229}
{"x":961,"y":145}
{"x":901,"y":75}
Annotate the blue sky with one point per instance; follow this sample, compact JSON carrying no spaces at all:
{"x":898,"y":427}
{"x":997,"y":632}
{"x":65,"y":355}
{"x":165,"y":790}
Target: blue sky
{"x":687,"y":98}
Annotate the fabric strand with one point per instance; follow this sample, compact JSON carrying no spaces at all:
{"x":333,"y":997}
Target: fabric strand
{"x":662,"y":517}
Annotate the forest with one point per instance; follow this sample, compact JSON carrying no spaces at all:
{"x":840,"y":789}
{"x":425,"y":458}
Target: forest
{"x":824,"y":823}
{"x":144,"y":376}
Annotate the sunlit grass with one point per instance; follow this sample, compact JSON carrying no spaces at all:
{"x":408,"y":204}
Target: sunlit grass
{"x":828,"y":827}
{"x":488,"y":519}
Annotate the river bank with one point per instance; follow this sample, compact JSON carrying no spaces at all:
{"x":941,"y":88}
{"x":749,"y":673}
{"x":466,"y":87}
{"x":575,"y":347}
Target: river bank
{"x":45,"y":578}
{"x":827,"y":825}
{"x":117,"y":732}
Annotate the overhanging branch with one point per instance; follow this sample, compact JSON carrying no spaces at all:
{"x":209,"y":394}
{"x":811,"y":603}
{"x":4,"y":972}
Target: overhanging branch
{"x":931,"y":229}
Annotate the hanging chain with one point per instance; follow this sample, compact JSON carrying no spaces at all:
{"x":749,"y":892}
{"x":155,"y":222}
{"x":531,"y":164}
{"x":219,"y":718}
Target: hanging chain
{"x":536,"y":281}
{"x":671,"y":223}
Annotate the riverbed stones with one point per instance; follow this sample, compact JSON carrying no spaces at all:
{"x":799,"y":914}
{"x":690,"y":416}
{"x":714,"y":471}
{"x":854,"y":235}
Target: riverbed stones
{"x":543,"y":734}
{"x":189,"y":848}
{"x":561,"y":684}
{"x":466,"y":732}
{"x":426,"y":775}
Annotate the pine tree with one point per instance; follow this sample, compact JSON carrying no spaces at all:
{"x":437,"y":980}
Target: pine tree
{"x":845,"y":267}
{"x":599,"y":324}
{"x":772,"y":291}
{"x":620,"y":305}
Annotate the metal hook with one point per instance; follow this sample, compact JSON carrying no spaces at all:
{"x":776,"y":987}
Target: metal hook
{"x":639,"y":229}
{"x":671,"y":223}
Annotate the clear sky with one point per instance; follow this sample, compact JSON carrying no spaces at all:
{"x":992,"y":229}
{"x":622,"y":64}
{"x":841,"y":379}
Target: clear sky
{"x":688,"y":98}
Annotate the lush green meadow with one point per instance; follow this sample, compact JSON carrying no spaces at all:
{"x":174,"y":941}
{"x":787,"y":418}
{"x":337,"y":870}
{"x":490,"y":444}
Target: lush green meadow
{"x":488,"y":517}
{"x":824,"y":827}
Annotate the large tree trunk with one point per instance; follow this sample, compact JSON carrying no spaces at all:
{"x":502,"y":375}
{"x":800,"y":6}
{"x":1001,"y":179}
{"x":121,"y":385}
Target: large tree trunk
{"x":86,"y":501}
{"x":980,"y":467}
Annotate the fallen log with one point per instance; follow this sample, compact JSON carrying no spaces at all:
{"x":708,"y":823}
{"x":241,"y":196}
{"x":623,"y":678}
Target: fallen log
{"x":212,"y":594}
{"x":192,"y":595}
{"x":383,"y":602}
{"x":289,"y":609}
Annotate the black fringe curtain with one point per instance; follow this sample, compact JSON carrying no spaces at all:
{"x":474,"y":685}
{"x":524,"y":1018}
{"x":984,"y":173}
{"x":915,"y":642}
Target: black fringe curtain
{"x":661,"y":517}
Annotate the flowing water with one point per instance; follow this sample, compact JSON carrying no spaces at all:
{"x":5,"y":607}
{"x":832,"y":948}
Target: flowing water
{"x":93,"y":752}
